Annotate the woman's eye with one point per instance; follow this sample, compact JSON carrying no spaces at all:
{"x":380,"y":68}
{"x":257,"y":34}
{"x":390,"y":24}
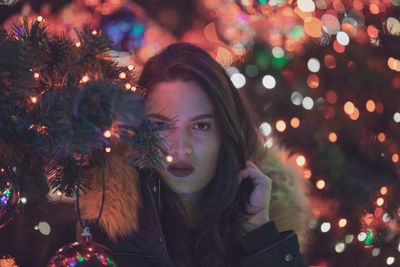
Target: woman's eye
{"x":159,"y":124}
{"x":202,"y":126}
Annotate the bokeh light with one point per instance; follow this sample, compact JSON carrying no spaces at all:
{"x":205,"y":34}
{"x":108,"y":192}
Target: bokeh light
{"x":307,"y":174}
{"x":265,"y":128}
{"x":296,"y":98}
{"x":280,"y":126}
{"x":320,"y":184}
{"x":383,"y":190}
{"x":331,"y":97}
{"x":238,"y":80}
{"x":330,"y":61}
{"x":380,"y":201}
{"x":395,"y":158}
{"x":342,"y":222}
{"x":313,"y":64}
{"x":370,"y":105}
{"x":339,"y":247}
{"x":308,"y":103}
{"x":325,"y":227}
{"x":396,"y":117}
{"x":295,"y":122}
{"x":301,"y":160}
{"x":332,"y":137}
{"x":269,"y":81}
{"x":343,"y":38}
{"x":349,"y":107}
{"x":390,"y":260}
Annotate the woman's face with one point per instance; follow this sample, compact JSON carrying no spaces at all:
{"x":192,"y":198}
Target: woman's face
{"x":193,"y":138}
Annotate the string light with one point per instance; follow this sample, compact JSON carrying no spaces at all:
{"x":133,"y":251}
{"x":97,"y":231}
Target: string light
{"x":362,"y":236}
{"x":36,"y":75}
{"x":320,"y":184}
{"x":307,"y":174}
{"x":39,"y":18}
{"x":24,"y":200}
{"x":380,"y":201}
{"x":169,"y":158}
{"x":34,"y":99}
{"x":131,"y":67}
{"x":122,"y":75}
{"x":107,"y":134}
{"x":128,"y":86}
{"x":342,"y":222}
{"x":301,"y":160}
{"x":78,"y":44}
{"x":85,"y":79}
{"x":396,"y":117}
{"x":383,"y":190}
{"x":94,"y":32}
{"x":280,"y":126}
{"x":108,"y":149}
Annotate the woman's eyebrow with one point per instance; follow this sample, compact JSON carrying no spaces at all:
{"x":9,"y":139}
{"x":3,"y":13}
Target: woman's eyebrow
{"x":159,"y":116}
{"x":202,"y":116}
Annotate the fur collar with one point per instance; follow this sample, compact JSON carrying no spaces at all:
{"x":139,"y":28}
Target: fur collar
{"x":289,"y":204}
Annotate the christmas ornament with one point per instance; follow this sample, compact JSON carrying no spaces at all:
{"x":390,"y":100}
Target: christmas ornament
{"x":125,"y":28}
{"x":9,"y":195}
{"x":83,"y":254}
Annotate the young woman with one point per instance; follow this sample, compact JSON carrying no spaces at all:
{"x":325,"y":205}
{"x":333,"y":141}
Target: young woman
{"x":209,"y":205}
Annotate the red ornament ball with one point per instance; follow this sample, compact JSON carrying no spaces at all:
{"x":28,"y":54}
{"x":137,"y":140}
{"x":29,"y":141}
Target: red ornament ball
{"x":83,"y":254}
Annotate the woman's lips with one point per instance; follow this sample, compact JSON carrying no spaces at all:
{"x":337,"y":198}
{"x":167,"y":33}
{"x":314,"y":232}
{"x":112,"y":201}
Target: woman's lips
{"x":180,"y":169}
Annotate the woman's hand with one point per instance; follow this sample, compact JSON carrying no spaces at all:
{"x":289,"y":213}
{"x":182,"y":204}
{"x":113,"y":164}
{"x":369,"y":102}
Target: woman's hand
{"x":260,"y":197}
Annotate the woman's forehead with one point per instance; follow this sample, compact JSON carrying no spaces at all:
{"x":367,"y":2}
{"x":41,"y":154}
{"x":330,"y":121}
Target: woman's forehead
{"x":179,"y":98}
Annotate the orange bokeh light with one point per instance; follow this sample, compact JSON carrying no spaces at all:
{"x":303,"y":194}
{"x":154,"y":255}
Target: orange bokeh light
{"x":330,"y":61}
{"x":108,"y":149}
{"x":313,"y":81}
{"x":320,"y":184}
{"x":370,"y":105}
{"x":295,"y":122}
{"x":169,"y":158}
{"x":332,"y":137}
{"x":381,"y":137}
{"x":383,"y":190}
{"x":349,"y":107}
{"x":357,"y":4}
{"x":374,"y":9}
{"x":395,"y":158}
{"x":313,"y":27}
{"x":331,"y":97}
{"x":342,"y":222}
{"x":307,"y":174}
{"x":36,"y":75}
{"x":34,"y":99}
{"x":355,"y":115}
{"x":280,"y":126}
{"x":379,"y":108}
{"x":372,"y":31}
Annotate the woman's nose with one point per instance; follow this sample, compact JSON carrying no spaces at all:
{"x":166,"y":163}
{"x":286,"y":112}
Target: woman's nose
{"x":180,"y":142}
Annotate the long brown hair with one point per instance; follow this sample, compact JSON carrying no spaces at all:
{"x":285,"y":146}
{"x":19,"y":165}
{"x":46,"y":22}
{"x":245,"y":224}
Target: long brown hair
{"x":223,"y":206}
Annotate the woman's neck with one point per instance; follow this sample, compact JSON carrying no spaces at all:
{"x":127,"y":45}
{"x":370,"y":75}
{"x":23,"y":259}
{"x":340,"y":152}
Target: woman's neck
{"x":191,"y":203}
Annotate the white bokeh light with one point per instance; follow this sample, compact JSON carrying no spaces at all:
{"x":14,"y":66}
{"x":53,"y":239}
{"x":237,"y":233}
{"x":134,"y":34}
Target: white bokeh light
{"x":269,"y":82}
{"x":390,"y":260}
{"x":396,"y":117}
{"x":269,"y":143}
{"x":278,"y":52}
{"x":306,"y":5}
{"x":313,"y":64}
{"x":349,"y":238}
{"x":325,"y":227}
{"x":308,"y":103}
{"x":265,"y":128}
{"x":362,"y":236}
{"x":232,"y":70}
{"x":238,"y":80}
{"x":296,"y":98}
{"x":343,"y":38}
{"x":339,"y":248}
{"x":375,"y":252}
